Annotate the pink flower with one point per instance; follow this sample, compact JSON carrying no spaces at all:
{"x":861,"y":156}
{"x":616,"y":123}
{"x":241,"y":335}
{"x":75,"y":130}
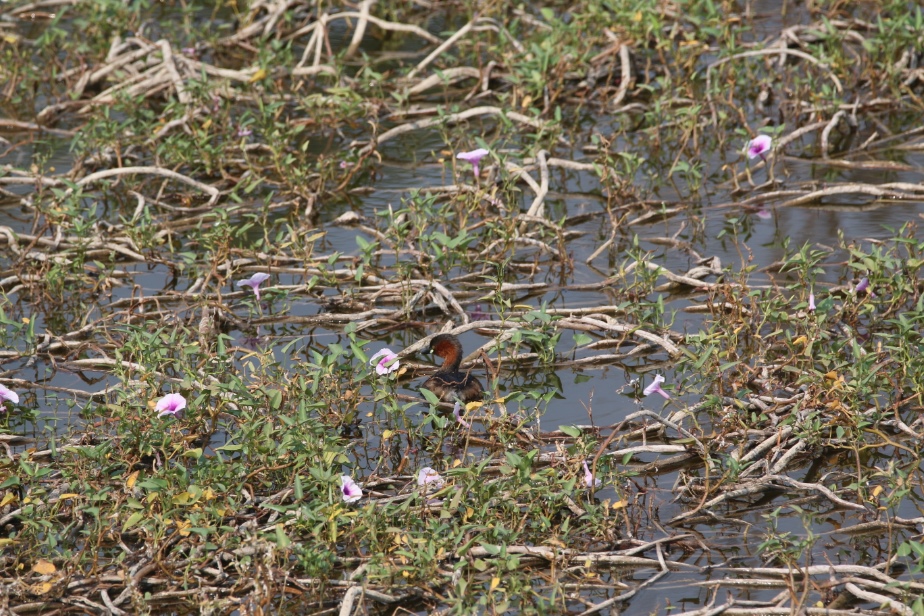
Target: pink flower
{"x":243,"y":131}
{"x":7,"y":395}
{"x":387,"y":364}
{"x":473,"y":157}
{"x":811,"y":305}
{"x":655,"y":387}
{"x":759,"y":146}
{"x":589,"y":480}
{"x":254,"y":283}
{"x":171,"y":404}
{"x":350,"y":489}
{"x":428,"y":478}
{"x":764,"y":214}
{"x":457,"y":411}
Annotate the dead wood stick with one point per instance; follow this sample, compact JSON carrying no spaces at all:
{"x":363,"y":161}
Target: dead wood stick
{"x":173,"y":175}
{"x":450,"y":119}
{"x":537,"y":209}
{"x":441,"y":48}
{"x":447,"y":76}
{"x":626,"y":79}
{"x":866,"y":595}
{"x":381,"y":23}
{"x":167,"y":54}
{"x":672,"y":349}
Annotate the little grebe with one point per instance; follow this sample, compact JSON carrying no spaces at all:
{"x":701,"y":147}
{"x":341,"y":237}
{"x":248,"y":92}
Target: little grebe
{"x":449,"y":383}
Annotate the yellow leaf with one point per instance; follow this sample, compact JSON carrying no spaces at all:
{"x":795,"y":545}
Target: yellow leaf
{"x":207,"y":124}
{"x":619,"y":504}
{"x":182,"y":498}
{"x":387,"y":434}
{"x":5,"y":542}
{"x":495,"y":582}
{"x":877,"y":491}
{"x":183,"y":527}
{"x":25,"y":320}
{"x":258,"y":76}
{"x":471,"y":406}
{"x":801,"y":340}
{"x":41,"y":589}
{"x":68,"y":495}
{"x":637,"y":17}
{"x":130,"y":482}
{"x":8,"y":498}
{"x":44,"y":567}
{"x":831,"y":376}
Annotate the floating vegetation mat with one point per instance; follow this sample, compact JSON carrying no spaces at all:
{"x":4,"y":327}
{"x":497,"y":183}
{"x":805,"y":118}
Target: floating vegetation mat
{"x":678,"y":241}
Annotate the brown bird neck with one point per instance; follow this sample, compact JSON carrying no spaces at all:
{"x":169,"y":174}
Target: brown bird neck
{"x":451,"y":354}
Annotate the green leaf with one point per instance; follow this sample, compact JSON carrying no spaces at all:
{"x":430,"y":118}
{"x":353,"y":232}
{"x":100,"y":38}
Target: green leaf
{"x":132,"y":520}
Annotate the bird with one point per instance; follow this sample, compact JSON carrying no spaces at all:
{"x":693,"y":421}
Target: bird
{"x":449,"y":383}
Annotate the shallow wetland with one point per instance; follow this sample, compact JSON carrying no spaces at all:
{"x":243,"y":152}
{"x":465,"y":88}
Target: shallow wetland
{"x":677,"y":241}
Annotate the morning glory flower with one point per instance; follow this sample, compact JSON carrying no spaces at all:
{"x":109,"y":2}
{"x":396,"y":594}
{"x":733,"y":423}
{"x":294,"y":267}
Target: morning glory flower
{"x":7,"y":395}
{"x":387,"y":364}
{"x":811,"y":305}
{"x":655,"y":387}
{"x":759,"y":146}
{"x":350,"y":489}
{"x":171,"y":404}
{"x":863,"y":285}
{"x":457,"y":411}
{"x":473,"y":157}
{"x":254,"y":283}
{"x":589,"y":480}
{"x":428,"y":478}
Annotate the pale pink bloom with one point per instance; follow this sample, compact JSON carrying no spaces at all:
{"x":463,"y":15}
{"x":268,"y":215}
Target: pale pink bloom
{"x":428,"y":478}
{"x":759,"y":146}
{"x":811,"y":305}
{"x":589,"y":480}
{"x":254,"y":283}
{"x":171,"y":404}
{"x":457,"y":411}
{"x":765,"y":214}
{"x":350,"y":489}
{"x":7,"y":395}
{"x":244,"y":132}
{"x":473,"y":157}
{"x":384,"y":361}
{"x":655,"y":387}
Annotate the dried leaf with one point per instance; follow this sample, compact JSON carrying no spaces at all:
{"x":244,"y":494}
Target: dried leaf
{"x":44,"y":567}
